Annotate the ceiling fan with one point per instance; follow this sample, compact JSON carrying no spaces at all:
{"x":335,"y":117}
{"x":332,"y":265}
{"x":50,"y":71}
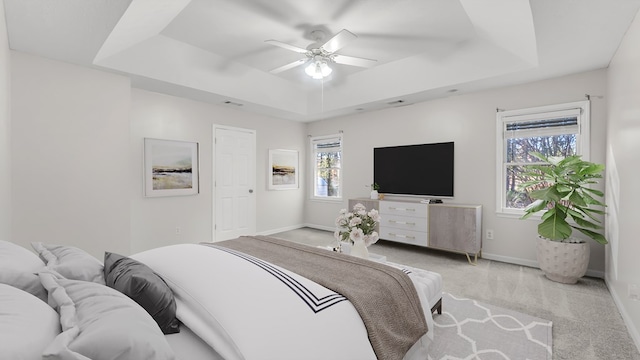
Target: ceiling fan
{"x":318,"y":57}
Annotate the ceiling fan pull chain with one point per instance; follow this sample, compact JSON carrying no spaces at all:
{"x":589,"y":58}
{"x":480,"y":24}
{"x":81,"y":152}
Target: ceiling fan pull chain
{"x":322,"y":96}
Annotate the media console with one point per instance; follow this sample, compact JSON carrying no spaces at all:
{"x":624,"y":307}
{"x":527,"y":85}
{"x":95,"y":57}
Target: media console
{"x":450,"y":227}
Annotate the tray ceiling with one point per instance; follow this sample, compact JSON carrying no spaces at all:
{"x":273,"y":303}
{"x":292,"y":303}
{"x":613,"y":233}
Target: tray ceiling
{"x":215,"y":50}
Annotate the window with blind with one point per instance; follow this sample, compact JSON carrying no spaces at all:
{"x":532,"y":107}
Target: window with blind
{"x":557,"y":130}
{"x":326,"y":157}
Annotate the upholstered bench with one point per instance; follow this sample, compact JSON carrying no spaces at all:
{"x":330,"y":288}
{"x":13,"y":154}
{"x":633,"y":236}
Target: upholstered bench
{"x":429,"y":283}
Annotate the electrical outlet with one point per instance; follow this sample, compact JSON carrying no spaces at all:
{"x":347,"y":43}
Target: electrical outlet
{"x":489,"y":235}
{"x":178,"y":231}
{"x":634,"y":292}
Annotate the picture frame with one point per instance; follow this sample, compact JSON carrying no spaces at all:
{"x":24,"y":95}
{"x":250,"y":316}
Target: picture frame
{"x":171,"y":168}
{"x":284,"y":170}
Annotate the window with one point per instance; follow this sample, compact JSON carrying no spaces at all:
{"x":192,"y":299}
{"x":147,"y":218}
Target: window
{"x":556,"y":130}
{"x":326,"y":157}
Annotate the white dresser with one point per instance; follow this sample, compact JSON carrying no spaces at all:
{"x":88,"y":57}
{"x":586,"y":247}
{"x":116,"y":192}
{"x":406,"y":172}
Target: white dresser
{"x":451,"y":227}
{"x":404,"y":221}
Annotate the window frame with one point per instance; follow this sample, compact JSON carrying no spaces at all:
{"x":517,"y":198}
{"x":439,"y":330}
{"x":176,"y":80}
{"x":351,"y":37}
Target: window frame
{"x":583,"y":141}
{"x":314,"y":170}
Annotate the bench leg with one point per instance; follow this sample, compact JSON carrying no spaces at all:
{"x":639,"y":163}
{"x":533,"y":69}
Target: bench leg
{"x":437,"y":307}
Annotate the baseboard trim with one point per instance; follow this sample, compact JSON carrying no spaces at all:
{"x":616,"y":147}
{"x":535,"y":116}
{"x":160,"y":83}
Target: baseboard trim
{"x":631,"y":328}
{"x":286,"y":228}
{"x":320,"y":227}
{"x":532,"y":263}
{"x":488,"y":256}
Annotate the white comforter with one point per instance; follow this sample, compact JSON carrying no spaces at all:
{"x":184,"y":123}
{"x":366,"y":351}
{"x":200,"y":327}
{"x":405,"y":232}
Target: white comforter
{"x":254,"y":310}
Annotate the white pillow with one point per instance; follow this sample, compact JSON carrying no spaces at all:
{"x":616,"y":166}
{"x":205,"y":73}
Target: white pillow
{"x":27,"y":325}
{"x":100,"y":323}
{"x":18,"y":268}
{"x":70,"y":262}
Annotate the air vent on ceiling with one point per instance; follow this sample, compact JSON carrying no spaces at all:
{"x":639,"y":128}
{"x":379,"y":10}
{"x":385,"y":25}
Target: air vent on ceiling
{"x":396,"y":102}
{"x":229,"y":102}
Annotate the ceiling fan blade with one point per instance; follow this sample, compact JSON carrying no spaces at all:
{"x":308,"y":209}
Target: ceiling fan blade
{"x":354,"y":61}
{"x":339,"y":41}
{"x":288,"y":66}
{"x":287,"y":46}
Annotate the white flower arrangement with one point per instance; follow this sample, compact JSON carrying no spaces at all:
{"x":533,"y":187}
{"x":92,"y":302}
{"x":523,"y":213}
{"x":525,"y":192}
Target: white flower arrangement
{"x":357,"y":225}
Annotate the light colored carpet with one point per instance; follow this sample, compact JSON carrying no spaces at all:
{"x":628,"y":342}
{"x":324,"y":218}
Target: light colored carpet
{"x":468,"y":329}
{"x":586,"y":322}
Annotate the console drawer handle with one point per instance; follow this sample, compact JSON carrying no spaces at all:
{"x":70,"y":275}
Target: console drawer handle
{"x":403,"y":236}
{"x":402,"y":222}
{"x":401,"y":209}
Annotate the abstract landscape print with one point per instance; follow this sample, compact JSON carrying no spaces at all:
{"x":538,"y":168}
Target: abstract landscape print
{"x":171,"y":167}
{"x":283,"y":167}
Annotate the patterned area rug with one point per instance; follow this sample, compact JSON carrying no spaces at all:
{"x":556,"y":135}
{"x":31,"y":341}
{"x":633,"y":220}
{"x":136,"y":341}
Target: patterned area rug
{"x":470,"y":330}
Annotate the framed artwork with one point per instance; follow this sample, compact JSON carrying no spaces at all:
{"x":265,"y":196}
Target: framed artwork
{"x":283,"y":169}
{"x":170,"y":168}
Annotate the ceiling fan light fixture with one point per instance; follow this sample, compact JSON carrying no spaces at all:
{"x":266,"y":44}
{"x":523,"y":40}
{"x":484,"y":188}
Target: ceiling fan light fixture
{"x":318,"y":70}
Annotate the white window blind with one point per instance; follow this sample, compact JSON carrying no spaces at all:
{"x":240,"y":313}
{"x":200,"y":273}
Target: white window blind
{"x":555,"y":130}
{"x":326,"y":157}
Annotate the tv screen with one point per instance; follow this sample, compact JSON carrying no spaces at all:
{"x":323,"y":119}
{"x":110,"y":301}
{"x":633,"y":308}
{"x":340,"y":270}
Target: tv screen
{"x":425,"y":170}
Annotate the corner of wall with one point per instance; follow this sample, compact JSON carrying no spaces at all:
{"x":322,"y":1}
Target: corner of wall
{"x":634,"y":333}
{"x":5,"y":129}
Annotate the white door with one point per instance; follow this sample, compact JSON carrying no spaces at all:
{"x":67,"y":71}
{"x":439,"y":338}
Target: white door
{"x":234,"y":185}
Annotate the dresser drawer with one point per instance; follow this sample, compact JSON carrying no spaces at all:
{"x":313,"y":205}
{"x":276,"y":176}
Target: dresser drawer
{"x":404,"y":222}
{"x":404,"y":236}
{"x":402,"y":208}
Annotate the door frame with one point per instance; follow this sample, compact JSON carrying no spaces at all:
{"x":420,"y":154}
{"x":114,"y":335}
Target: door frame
{"x":213,"y":177}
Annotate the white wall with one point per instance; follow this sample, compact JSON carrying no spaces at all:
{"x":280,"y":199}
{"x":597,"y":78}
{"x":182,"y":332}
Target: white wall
{"x":70,"y":155}
{"x":469,"y":121}
{"x":5,"y":130}
{"x":77,"y":160}
{"x":623,"y":171}
{"x":154,"y":220}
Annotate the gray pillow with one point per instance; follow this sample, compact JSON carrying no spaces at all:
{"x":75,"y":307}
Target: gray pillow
{"x":140,"y":283}
{"x":27,"y":325}
{"x":70,"y":262}
{"x":100,"y":323}
{"x":18,"y":268}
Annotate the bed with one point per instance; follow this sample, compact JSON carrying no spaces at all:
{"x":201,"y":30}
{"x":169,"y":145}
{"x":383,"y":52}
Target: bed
{"x":227,"y":304}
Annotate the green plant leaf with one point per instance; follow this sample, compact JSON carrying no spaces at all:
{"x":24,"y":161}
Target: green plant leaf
{"x":577,"y":199}
{"x":536,"y":206}
{"x":591,"y":200}
{"x":539,"y":156}
{"x":594,"y":191}
{"x":592,"y":169}
{"x":599,"y":238}
{"x":555,"y":227}
{"x":585,"y":223}
{"x":588,"y":212}
{"x":548,"y":194}
{"x":548,"y":214}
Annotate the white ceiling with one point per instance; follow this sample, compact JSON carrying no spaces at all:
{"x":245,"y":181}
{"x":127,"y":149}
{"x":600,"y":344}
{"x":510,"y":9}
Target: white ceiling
{"x":215,"y":50}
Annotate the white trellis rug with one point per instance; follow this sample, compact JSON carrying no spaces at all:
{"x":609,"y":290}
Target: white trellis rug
{"x":470,"y":330}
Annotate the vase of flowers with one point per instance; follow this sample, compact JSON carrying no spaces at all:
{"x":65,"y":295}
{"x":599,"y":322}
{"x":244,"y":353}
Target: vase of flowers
{"x":357,"y":228}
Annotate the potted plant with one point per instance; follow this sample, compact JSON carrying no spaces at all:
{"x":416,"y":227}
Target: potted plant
{"x":374,"y":191}
{"x":561,"y":188}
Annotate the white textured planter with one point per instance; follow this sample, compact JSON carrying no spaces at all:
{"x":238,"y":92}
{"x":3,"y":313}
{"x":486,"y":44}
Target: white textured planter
{"x":563,"y":262}
{"x":374,"y":194}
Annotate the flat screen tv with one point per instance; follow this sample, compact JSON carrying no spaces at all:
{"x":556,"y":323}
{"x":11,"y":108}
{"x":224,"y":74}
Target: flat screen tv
{"x":422,"y":170}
